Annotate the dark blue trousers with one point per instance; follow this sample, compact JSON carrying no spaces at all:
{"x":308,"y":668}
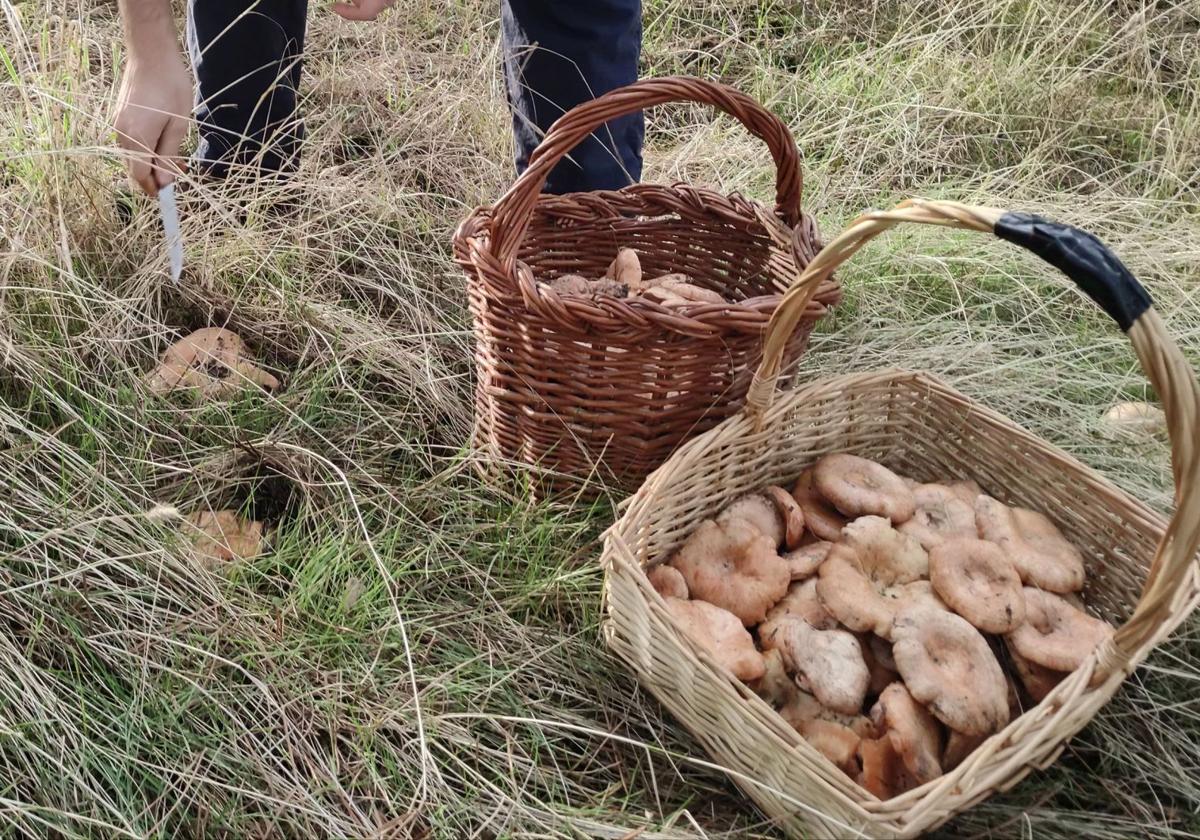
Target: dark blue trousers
{"x":557,"y":54}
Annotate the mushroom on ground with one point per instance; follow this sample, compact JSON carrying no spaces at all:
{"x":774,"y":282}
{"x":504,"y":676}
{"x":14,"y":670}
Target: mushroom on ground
{"x":1134,"y":419}
{"x":914,"y":732}
{"x":667,"y":581}
{"x":979,"y":583}
{"x":222,"y":536}
{"x":1037,"y":680}
{"x":1042,"y":555}
{"x":801,"y":601}
{"x":942,"y":514}
{"x":626,"y":269}
{"x":947,"y":665}
{"x":775,"y":685}
{"x":720,"y":633}
{"x":735,"y":567}
{"x":821,"y":517}
{"x":772,"y":513}
{"x":831,"y":660}
{"x":1055,"y":635}
{"x":858,"y":487}
{"x":212,"y":362}
{"x":805,"y":560}
{"x":885,"y":555}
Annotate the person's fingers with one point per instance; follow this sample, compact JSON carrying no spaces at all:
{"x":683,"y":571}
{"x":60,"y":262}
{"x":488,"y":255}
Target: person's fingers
{"x":168,"y":161}
{"x":141,"y":173}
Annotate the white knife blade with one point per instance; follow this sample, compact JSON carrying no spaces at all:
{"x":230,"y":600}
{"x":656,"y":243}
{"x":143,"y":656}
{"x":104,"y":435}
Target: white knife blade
{"x":170,"y":222}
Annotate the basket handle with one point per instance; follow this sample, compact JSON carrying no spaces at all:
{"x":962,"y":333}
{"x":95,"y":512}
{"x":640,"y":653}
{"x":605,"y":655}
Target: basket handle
{"x":1098,"y":272}
{"x":513,"y":212}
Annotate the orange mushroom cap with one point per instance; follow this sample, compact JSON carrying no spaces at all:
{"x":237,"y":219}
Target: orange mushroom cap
{"x":720,"y":633}
{"x":801,"y":601}
{"x":1055,"y":635}
{"x":947,"y":665}
{"x":914,"y":732}
{"x":858,"y":487}
{"x":805,"y":560}
{"x":885,"y":555}
{"x":667,"y":581}
{"x":819,"y":516}
{"x":735,"y":567}
{"x":222,"y":536}
{"x":942,"y":513}
{"x":831,"y":660}
{"x":212,"y":362}
{"x":1037,"y":680}
{"x":979,"y":583}
{"x":1042,"y":555}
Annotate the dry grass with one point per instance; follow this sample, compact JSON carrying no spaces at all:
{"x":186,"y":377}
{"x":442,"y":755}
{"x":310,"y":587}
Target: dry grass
{"x":418,"y":655}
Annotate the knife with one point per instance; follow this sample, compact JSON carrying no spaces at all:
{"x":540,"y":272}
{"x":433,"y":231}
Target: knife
{"x":170,"y":222}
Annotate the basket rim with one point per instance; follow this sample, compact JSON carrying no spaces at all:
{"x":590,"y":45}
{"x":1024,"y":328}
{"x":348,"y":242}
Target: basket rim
{"x":519,"y":286}
{"x":1089,"y":687}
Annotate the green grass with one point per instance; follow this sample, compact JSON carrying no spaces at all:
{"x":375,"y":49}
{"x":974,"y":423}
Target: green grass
{"x":419,"y":654}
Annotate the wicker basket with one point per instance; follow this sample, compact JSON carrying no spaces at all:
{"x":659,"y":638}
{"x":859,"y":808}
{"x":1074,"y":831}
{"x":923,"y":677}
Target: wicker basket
{"x":608,"y":388}
{"x":1141,"y":570}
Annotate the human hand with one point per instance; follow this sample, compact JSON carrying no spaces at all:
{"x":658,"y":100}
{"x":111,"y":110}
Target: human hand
{"x":153,"y":109}
{"x":362,"y":9}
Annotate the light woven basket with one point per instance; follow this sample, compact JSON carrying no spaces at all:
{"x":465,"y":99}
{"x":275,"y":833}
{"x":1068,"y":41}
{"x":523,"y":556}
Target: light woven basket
{"x":1141,"y":569}
{"x":607,"y":388}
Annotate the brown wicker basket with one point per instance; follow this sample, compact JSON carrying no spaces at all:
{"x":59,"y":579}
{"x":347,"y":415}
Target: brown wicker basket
{"x":1141,"y":570}
{"x":603,"y":387}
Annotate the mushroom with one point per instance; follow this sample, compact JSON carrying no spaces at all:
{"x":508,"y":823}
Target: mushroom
{"x":1134,"y":419}
{"x":772,"y":512}
{"x":820,"y":517}
{"x":735,"y":567}
{"x":804,"y":561}
{"x":222,"y":536}
{"x":1037,"y":680}
{"x":570,"y":284}
{"x":919,"y":593}
{"x":882,"y":675}
{"x":626,"y":269}
{"x":958,"y":747}
{"x":850,"y":595}
{"x":681,"y":286}
{"x":667,"y":581}
{"x":802,"y":707}
{"x":942,"y":513}
{"x":885,"y":555}
{"x":1055,"y":635}
{"x":1042,"y":555}
{"x":775,"y":685}
{"x":966,"y":490}
{"x":858,"y":487}
{"x":883,"y":771}
{"x":979,"y":583}
{"x":801,"y":601}
{"x":720,"y":633}
{"x":831,"y":660}
{"x":947,"y":665}
{"x":836,"y":742}
{"x":913,"y":731}
{"x":212,"y":362}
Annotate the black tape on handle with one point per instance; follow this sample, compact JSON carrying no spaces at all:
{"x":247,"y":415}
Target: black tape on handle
{"x":1083,"y":258}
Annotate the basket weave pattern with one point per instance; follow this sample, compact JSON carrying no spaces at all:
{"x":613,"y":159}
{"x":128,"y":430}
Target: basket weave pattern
{"x":1141,"y":572}
{"x":608,"y":386}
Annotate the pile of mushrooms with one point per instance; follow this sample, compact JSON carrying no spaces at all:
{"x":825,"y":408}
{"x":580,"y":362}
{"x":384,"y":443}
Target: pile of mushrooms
{"x":624,"y":279}
{"x":894,"y":625}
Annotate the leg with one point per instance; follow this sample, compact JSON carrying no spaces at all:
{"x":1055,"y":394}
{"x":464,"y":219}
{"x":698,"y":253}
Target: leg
{"x":559,"y":53}
{"x":247,"y":61}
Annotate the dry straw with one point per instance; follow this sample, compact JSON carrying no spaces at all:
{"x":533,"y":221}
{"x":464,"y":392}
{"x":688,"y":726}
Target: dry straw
{"x":609,"y":387}
{"x":1141,"y":570}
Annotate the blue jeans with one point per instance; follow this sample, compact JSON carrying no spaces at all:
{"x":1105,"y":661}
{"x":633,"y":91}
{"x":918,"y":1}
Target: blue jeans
{"x":557,"y":54}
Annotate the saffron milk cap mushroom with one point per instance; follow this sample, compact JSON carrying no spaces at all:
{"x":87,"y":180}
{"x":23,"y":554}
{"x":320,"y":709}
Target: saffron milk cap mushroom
{"x":851,"y":596}
{"x":626,"y":269}
{"x":212,"y":362}
{"x":774,"y":514}
{"x":735,"y":567}
{"x":858,"y":487}
{"x":1055,"y":635}
{"x":222,"y":536}
{"x":1042,"y":555}
{"x":836,"y":742}
{"x":947,"y":665}
{"x":914,"y":732}
{"x":720,"y":633}
{"x":978,"y":582}
{"x":775,"y":685}
{"x":804,"y":561}
{"x":819,"y":516}
{"x":885,"y":555}
{"x":803,"y":706}
{"x":1037,"y":680}
{"x":801,"y":601}
{"x":831,"y":660}
{"x":941,"y":514}
{"x":667,"y":581}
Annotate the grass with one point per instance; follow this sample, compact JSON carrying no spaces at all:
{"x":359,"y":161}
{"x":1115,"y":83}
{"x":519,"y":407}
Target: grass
{"x":419,"y":654}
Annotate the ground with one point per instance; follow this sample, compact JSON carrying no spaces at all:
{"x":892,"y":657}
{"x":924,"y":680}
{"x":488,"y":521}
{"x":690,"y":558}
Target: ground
{"x":418,"y":654}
